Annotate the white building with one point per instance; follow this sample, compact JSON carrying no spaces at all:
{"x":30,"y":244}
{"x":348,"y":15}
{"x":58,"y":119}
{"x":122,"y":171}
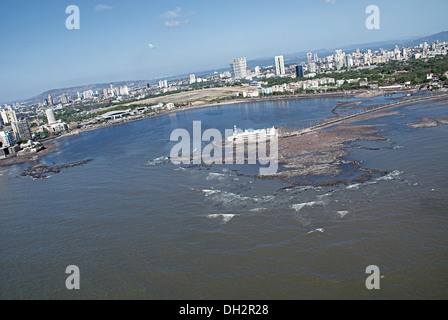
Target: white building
{"x":50,"y":116}
{"x":192,"y":78}
{"x":124,"y":91}
{"x":8,"y":116}
{"x":87,"y":94}
{"x":240,"y":68}
{"x":163,"y":84}
{"x":4,"y":116}
{"x":252,"y":135}
{"x":279,"y":66}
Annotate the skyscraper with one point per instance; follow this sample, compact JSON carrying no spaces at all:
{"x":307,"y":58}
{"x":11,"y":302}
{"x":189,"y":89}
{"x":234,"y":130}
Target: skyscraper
{"x":279,"y":66}
{"x":21,"y":130}
{"x":192,"y":78}
{"x":50,"y":116}
{"x":163,"y":84}
{"x":50,"y":100}
{"x":7,"y":139}
{"x":309,"y":56}
{"x":240,"y":68}
{"x":4,"y":116}
{"x":8,"y":116}
{"x":299,"y":71}
{"x":64,"y":98}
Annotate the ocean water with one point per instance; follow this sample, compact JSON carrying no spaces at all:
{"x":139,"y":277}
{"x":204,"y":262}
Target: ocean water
{"x":139,"y":227}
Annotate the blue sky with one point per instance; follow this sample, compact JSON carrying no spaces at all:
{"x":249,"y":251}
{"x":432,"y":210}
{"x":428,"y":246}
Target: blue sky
{"x":144,"y":39}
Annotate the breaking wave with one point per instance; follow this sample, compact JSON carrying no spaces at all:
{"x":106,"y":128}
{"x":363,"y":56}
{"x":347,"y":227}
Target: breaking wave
{"x":300,"y":206}
{"x":225,"y":217}
{"x":156,"y":161}
{"x":391,"y":176}
{"x":321,"y":230}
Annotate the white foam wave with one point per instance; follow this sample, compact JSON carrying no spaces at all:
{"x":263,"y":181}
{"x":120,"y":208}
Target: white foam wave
{"x":157,"y":161}
{"x":214,"y":175}
{"x":225,"y":217}
{"x":321,"y":230}
{"x":257,"y":209}
{"x":353,"y":186}
{"x":209,"y":192}
{"x":300,"y":206}
{"x":391,"y":176}
{"x":342,"y":214}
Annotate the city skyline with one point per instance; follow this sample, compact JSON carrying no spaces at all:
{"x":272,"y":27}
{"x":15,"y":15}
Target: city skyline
{"x":38,"y":53}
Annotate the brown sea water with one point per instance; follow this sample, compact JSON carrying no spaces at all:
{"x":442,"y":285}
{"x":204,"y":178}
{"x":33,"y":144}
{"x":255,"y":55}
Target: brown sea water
{"x":140,"y":227}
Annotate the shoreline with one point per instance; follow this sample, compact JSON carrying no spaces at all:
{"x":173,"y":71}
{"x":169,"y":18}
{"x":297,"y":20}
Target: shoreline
{"x":51,"y":148}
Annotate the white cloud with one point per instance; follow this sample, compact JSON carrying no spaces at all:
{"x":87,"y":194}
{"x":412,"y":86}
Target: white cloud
{"x":151,"y":46}
{"x":172,"y":23}
{"x":170,"y":14}
{"x":101,"y":7}
{"x":330,"y":1}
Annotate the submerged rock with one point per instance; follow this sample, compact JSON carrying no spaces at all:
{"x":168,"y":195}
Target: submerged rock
{"x":39,"y":170}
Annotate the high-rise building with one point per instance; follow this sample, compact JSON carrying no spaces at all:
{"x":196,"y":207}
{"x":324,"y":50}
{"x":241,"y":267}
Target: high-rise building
{"x":21,"y":130}
{"x":64,"y":98}
{"x":50,"y":100}
{"x":87,"y":94}
{"x":8,"y":116}
{"x":257,"y":71}
{"x":50,"y":116}
{"x":163,"y":84}
{"x":405,"y":53}
{"x":299,"y":71}
{"x":124,"y":91}
{"x":7,"y":139}
{"x":279,"y":66}
{"x":239,"y":68}
{"x":4,"y":116}
{"x":192,"y":78}
{"x":309,"y":56}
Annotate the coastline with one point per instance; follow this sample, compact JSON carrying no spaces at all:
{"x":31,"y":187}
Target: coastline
{"x":50,"y":148}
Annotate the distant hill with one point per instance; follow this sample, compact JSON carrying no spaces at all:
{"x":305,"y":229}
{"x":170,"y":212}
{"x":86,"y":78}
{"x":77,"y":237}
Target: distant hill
{"x":289,"y":58}
{"x":441,"y":36}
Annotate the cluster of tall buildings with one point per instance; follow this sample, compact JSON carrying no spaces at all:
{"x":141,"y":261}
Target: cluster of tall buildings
{"x":20,"y":128}
{"x":241,"y":70}
{"x":340,"y":59}
{"x":14,"y":130}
